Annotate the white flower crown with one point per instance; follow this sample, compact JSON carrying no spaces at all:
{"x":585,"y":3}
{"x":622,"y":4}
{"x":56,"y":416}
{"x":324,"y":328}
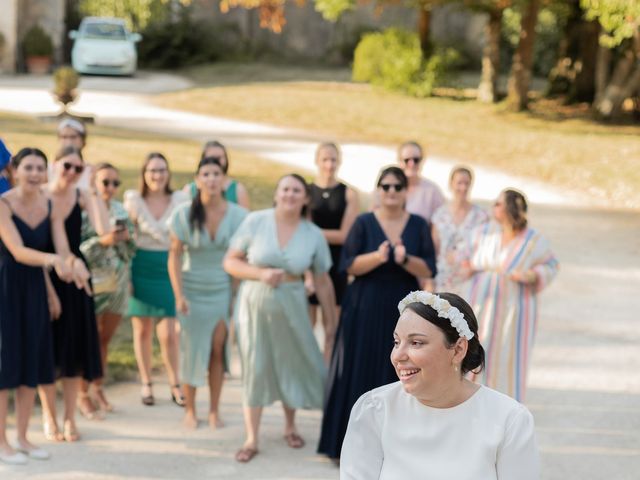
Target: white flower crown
{"x":440,"y":305}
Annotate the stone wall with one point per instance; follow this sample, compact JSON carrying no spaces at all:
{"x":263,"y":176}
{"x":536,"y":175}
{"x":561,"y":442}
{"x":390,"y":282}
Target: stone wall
{"x":50,"y":15}
{"x":307,"y":34}
{"x":8,"y":30}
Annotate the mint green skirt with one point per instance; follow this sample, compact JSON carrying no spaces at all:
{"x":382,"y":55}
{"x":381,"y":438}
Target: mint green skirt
{"x":152,"y":294}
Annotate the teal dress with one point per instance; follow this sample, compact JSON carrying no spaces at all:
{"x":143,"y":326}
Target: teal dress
{"x":206,"y":286}
{"x":230,"y":194}
{"x":280,"y":357}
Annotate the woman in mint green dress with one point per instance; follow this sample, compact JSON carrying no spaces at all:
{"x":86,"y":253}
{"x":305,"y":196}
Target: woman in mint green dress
{"x":200,"y":235}
{"x":234,"y":191}
{"x":280,"y":357}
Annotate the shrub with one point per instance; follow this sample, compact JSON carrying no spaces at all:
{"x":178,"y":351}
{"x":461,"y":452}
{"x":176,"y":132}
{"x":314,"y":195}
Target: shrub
{"x":37,"y":43}
{"x":65,"y":82}
{"x":183,"y":42}
{"x":393,"y":59}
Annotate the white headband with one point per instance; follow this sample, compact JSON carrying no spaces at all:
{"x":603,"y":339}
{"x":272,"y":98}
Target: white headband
{"x":71,"y":123}
{"x":440,"y":305}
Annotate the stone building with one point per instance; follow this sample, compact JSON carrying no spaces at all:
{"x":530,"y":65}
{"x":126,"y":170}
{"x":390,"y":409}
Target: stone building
{"x":17,"y":16}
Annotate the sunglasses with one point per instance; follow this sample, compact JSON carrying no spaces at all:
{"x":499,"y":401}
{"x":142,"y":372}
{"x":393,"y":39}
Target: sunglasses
{"x":78,"y":168}
{"x":415,"y":160}
{"x":107,"y":182}
{"x":388,"y":186}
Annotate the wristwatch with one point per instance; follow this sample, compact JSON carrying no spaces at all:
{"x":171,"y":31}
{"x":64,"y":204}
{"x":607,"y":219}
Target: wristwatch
{"x":405,"y":260}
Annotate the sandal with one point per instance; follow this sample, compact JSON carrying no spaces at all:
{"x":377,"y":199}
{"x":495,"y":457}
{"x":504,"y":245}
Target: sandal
{"x":103,"y":403}
{"x":70,"y":432}
{"x":86,"y":407}
{"x":51,"y":430}
{"x":294,"y":440}
{"x":148,"y":400}
{"x":177,"y":399}
{"x":246,"y":454}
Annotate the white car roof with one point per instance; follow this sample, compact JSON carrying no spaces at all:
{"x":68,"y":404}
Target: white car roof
{"x":118,"y":21}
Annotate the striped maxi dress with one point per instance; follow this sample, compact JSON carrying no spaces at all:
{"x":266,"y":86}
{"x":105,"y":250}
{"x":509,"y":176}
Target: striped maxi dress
{"x":507,"y":310}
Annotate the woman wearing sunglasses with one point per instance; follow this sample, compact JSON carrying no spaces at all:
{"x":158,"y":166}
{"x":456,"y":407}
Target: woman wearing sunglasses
{"x":108,"y":256}
{"x":75,"y":333}
{"x":387,"y":250}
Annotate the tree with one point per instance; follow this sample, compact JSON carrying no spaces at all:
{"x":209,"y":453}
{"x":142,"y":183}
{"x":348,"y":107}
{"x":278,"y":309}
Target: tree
{"x":520,"y":76}
{"x":333,"y":9}
{"x":618,"y":61}
{"x":488,"y":88}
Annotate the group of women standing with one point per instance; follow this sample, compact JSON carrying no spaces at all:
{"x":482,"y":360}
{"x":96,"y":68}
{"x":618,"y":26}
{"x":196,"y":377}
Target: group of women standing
{"x":167,"y":257}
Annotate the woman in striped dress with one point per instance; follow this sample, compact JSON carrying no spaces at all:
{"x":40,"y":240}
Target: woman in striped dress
{"x":510,"y":263}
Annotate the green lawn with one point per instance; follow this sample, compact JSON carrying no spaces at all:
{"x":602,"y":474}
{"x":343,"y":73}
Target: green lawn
{"x":126,"y":149}
{"x":548,"y":143}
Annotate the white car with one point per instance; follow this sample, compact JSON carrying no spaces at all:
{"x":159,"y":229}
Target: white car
{"x":104,"y":46}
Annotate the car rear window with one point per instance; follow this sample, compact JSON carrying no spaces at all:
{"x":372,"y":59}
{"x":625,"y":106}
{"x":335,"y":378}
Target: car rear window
{"x":105,"y":31}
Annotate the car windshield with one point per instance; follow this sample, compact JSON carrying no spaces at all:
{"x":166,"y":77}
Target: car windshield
{"x":105,"y":31}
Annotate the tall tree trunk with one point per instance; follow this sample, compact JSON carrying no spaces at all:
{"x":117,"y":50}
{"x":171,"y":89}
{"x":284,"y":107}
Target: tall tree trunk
{"x":624,"y":83}
{"x":575,"y":69}
{"x":488,"y":88}
{"x":603,"y":68}
{"x":520,"y":78}
{"x":424,"y":30}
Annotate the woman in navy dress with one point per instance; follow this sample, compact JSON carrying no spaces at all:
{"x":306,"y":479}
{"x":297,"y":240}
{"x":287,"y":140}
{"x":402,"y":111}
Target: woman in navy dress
{"x":334,"y":207}
{"x":76,"y":346}
{"x":387,"y":251}
{"x":26,"y":351}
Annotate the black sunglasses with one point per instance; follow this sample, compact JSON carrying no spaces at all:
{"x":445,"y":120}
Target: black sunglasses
{"x":388,"y":186}
{"x":106,"y":182}
{"x":78,"y":168}
{"x":411,"y":159}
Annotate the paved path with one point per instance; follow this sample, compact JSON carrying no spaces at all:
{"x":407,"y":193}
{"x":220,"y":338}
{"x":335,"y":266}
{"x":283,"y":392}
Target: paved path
{"x":584,"y":385}
{"x":129,"y":108}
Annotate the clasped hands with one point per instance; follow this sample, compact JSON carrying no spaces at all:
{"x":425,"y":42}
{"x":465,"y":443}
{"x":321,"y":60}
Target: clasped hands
{"x":398,"y":250}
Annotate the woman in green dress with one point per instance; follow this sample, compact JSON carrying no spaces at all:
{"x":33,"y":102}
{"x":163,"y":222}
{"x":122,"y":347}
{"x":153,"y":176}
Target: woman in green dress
{"x":152,"y":297}
{"x":280,"y":357}
{"x":108,"y":256}
{"x":200,"y":235}
{"x":234,"y":191}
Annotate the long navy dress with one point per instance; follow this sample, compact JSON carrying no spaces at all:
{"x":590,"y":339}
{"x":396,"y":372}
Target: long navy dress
{"x":26,"y":351}
{"x":360,"y":359}
{"x":75,"y":334}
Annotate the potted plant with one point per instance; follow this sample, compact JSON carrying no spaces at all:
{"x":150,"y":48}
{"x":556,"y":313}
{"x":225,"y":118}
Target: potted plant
{"x":38,"y":49}
{"x":65,"y":82}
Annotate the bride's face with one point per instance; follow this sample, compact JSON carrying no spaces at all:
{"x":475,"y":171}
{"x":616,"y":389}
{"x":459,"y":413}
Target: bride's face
{"x":421,"y":357}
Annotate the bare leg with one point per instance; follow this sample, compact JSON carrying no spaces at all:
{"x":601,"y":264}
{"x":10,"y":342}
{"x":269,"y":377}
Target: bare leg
{"x":330,"y":336}
{"x":142,"y":331}
{"x":294,"y":440}
{"x":25,"y":398}
{"x":313,"y":315}
{"x":70,"y":387}
{"x":190,"y":420}
{"x":107,"y":326}
{"x":168,"y":339}
{"x":252,"y":416}
{"x":216,"y":373}
{"x":5,"y":447}
{"x":49,"y":421}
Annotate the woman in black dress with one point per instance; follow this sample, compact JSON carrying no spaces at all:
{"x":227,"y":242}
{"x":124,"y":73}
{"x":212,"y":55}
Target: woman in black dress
{"x":387,"y":251}
{"x":26,"y":352}
{"x":334,"y":207}
{"x":75,"y":336}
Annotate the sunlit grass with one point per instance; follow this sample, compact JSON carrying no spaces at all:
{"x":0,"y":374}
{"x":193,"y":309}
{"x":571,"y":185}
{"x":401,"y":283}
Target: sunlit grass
{"x":577,"y":153}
